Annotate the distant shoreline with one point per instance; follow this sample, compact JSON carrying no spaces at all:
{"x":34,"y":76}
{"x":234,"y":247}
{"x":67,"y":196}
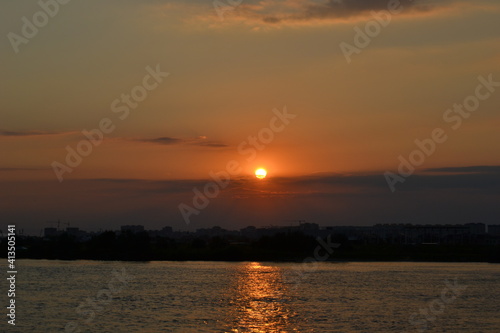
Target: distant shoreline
{"x":262,"y":261}
{"x":284,"y":247}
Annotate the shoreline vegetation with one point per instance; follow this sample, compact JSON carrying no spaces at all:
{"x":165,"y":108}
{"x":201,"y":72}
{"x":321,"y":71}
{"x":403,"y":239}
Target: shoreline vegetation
{"x":281,"y":247}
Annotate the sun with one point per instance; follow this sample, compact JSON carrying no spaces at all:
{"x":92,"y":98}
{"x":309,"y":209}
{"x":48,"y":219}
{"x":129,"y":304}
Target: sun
{"x":261,"y":173}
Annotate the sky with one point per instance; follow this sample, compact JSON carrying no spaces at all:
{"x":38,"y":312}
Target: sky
{"x":362,"y":112}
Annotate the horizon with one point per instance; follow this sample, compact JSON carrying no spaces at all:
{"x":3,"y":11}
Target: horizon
{"x":291,"y":224}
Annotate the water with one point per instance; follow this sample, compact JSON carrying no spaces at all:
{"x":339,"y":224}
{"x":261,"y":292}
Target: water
{"x":255,"y":297}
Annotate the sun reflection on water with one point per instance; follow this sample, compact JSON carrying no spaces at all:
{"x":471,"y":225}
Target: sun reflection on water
{"x":261,"y":302}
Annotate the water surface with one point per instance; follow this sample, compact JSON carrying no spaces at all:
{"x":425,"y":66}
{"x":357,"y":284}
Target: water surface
{"x":256,"y":297}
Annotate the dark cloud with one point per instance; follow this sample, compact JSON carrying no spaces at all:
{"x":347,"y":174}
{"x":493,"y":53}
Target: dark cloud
{"x":114,"y":180}
{"x":329,"y":199}
{"x":483,"y":178}
{"x":212,"y":144}
{"x":477,"y":178}
{"x":28,"y":133}
{"x":341,"y":9}
{"x":485,"y":182}
{"x":163,"y":140}
{"x":199,"y":141}
{"x":22,"y":169}
{"x":468,"y":169}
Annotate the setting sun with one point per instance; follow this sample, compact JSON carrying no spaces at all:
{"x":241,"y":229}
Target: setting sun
{"x":261,"y":173}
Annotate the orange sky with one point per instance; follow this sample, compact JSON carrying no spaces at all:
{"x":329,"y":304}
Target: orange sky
{"x":228,"y":78}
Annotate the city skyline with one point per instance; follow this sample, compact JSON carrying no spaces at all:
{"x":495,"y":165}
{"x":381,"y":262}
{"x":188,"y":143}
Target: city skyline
{"x":60,"y":227}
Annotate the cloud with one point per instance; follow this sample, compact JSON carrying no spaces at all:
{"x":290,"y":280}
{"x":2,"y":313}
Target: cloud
{"x":482,"y":178}
{"x":114,"y":180}
{"x":477,"y":178}
{"x":29,"y":133}
{"x":143,"y":186}
{"x":199,"y":141}
{"x":275,"y":12}
{"x":7,"y":169}
{"x":485,"y":169}
{"x":212,"y":144}
{"x":332,"y":9}
{"x":330,"y":199}
{"x":163,"y":140}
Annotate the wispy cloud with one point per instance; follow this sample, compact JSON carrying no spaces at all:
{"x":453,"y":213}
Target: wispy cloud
{"x":8,"y":169}
{"x":199,"y":141}
{"x":484,"y":169}
{"x":165,"y":140}
{"x":7,"y":133}
{"x":347,"y":199}
{"x":484,"y":178}
{"x":335,"y":9}
{"x":212,"y":144}
{"x":309,"y":12}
